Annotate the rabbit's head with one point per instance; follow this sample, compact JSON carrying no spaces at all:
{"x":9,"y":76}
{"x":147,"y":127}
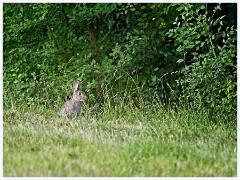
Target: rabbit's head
{"x":78,"y":95}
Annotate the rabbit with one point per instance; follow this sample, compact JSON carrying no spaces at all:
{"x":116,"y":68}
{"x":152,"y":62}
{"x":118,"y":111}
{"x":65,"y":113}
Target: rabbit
{"x":73,"y":106}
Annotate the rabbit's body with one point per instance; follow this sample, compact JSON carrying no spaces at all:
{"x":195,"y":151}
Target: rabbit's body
{"x":73,"y":106}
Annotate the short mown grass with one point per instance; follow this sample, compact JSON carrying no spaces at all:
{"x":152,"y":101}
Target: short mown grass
{"x":157,"y":142}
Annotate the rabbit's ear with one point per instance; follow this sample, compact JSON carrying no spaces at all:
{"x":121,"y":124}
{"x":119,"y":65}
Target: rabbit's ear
{"x":76,"y":85}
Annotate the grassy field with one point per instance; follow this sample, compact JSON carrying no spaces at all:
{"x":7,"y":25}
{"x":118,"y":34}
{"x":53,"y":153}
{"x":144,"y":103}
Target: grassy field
{"x":157,"y":142}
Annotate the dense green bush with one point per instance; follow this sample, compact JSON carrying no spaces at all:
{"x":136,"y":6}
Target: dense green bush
{"x":127,"y":49}
{"x":209,"y":72}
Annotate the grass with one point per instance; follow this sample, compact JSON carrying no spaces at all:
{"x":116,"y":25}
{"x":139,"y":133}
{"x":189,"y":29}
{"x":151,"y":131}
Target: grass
{"x":117,"y":142}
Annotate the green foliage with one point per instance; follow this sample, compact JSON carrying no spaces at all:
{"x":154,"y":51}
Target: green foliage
{"x":208,"y":54}
{"x":114,"y":47}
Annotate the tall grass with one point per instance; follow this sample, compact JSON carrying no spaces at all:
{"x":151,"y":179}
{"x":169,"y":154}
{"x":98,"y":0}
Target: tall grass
{"x":118,"y":134}
{"x":117,"y":141}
